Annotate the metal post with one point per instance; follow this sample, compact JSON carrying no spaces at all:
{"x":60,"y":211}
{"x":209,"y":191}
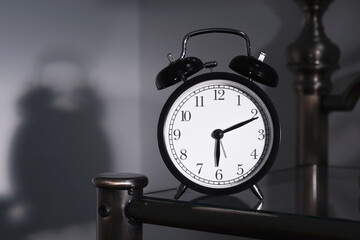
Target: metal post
{"x":114,"y":193}
{"x":312,"y":190}
{"x":313,"y":58}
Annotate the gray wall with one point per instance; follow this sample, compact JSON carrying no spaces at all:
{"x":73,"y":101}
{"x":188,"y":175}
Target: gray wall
{"x":78,"y":97}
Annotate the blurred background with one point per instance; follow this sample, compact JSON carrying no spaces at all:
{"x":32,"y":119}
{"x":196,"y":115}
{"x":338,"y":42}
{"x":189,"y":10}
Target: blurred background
{"x":78,"y":97}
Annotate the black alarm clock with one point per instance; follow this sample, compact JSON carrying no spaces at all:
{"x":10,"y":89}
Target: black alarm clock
{"x":218,"y":132}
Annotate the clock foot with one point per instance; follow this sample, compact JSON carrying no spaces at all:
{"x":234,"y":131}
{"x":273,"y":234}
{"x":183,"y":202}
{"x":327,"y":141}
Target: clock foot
{"x":259,"y":205}
{"x":180,"y":190}
{"x":256,"y":190}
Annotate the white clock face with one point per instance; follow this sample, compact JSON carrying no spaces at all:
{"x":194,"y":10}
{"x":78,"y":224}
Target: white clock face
{"x":218,"y":133}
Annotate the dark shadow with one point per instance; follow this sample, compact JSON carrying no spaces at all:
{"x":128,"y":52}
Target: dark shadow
{"x":226,"y":201}
{"x":56,"y":151}
{"x":283,"y":96}
{"x":344,"y":125}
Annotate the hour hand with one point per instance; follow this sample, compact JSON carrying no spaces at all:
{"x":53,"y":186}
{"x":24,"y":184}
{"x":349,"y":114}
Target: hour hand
{"x":217,"y":152}
{"x":217,"y":135}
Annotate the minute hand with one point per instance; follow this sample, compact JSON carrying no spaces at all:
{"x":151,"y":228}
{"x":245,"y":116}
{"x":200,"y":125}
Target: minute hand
{"x":239,"y":125}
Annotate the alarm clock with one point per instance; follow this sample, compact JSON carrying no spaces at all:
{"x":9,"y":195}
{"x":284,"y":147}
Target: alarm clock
{"x":218,"y":132}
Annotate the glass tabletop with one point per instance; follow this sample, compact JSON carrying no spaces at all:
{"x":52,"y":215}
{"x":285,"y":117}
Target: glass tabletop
{"x":331,"y":193}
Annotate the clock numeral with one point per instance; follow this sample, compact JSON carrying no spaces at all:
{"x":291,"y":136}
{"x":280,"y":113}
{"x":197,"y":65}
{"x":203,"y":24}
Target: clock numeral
{"x":183,"y":154}
{"x":240,"y":170}
{"x":253,"y":154}
{"x":261,"y":134}
{"x":255,"y":112}
{"x":218,"y":174}
{"x":199,"y":165}
{"x":185,"y":116}
{"x":238,"y":100}
{"x":219,"y":94}
{"x":199,"y":101}
{"x":177,"y":134}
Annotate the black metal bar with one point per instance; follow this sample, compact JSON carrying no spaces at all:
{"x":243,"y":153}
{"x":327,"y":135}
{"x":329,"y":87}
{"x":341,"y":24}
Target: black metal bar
{"x":258,"y":224}
{"x":114,"y":192}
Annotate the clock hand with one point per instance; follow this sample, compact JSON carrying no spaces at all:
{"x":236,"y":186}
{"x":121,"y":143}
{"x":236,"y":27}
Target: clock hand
{"x":217,"y":152}
{"x":223,"y":149}
{"x":218,"y":144}
{"x":239,"y":125}
{"x":218,"y":135}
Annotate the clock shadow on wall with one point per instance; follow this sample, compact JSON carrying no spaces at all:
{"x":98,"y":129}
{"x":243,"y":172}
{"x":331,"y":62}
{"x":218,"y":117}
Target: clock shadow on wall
{"x":57,"y":148}
{"x":284,"y":95}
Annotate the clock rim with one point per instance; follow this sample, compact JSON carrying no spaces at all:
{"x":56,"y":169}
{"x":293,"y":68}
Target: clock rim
{"x":222,"y":76}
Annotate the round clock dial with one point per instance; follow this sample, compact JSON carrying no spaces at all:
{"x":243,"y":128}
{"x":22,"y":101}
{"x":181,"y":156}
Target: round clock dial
{"x":218,"y":133}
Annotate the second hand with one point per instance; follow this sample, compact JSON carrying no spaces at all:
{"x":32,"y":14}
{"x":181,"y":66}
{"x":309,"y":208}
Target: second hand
{"x":223,"y":149}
